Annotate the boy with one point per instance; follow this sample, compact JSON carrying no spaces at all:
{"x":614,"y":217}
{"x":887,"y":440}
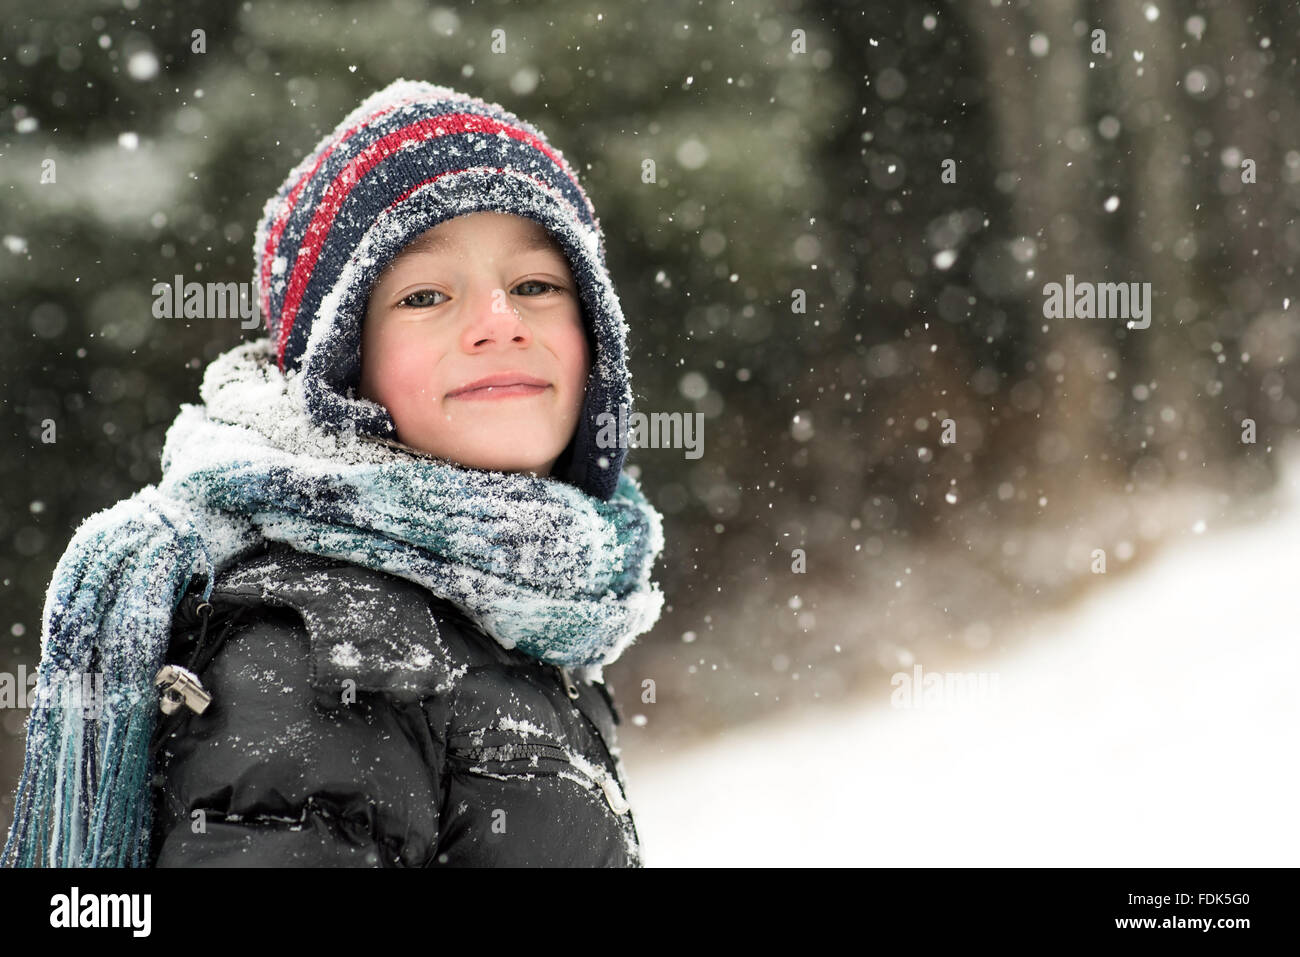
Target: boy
{"x":413,"y":557}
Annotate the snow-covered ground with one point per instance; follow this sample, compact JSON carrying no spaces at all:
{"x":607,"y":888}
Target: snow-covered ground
{"x":1155,"y":724}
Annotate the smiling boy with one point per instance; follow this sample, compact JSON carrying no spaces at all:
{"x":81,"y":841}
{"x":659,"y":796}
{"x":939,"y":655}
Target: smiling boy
{"x":374,"y":591}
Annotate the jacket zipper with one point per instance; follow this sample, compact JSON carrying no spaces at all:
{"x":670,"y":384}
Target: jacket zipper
{"x":511,"y":752}
{"x":570,"y":687}
{"x":206,"y":645}
{"x":613,"y":792}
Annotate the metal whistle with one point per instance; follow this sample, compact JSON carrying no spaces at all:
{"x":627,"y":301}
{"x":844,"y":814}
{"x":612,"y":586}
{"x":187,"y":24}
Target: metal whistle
{"x":179,"y":686}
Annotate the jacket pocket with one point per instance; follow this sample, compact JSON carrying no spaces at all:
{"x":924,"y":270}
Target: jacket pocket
{"x":503,"y":755}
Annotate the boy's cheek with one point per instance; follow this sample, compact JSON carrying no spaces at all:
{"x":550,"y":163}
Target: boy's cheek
{"x":404,"y":374}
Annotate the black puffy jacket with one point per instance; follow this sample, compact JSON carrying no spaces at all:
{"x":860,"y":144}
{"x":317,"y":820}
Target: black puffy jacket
{"x":357,"y":720}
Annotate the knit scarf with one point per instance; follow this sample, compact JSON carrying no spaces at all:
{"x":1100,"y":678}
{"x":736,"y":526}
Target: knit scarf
{"x":536,"y":563}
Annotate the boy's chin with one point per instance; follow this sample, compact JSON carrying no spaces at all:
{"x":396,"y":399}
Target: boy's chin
{"x":520,"y":458}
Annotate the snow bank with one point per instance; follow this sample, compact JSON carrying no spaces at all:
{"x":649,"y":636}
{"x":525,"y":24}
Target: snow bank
{"x":1153,"y":725}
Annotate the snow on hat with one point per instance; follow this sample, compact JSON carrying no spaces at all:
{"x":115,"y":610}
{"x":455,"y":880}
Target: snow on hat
{"x":408,"y":158}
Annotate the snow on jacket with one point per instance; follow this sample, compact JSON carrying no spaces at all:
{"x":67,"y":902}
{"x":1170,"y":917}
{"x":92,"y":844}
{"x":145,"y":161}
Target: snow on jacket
{"x":358,"y":720}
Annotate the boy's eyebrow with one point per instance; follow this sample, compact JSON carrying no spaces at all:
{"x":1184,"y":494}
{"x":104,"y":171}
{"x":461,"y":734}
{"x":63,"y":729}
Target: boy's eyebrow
{"x":532,"y":242}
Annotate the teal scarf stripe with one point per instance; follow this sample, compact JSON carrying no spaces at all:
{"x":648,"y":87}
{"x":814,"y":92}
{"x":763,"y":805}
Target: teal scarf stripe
{"x":484,"y":532}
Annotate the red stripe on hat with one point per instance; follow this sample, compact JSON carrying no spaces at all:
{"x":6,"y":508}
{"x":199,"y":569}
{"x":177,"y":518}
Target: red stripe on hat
{"x":286,"y":208}
{"x":338,"y":191}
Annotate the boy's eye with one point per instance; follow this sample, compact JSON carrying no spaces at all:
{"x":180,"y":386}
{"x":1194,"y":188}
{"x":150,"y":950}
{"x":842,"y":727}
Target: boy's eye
{"x":546,"y":286}
{"x":421,"y":299}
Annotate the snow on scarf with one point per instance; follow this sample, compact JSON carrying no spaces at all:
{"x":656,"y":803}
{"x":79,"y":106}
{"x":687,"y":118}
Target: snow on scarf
{"x":536,"y":563}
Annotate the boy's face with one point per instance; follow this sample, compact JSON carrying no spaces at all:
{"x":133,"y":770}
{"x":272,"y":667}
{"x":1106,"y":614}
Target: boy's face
{"x":476,"y":296}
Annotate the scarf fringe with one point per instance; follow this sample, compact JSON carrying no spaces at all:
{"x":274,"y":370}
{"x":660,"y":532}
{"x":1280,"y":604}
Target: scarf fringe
{"x":106,"y":628}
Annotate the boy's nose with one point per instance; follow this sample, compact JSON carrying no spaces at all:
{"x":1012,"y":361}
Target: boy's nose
{"x":495,"y":319}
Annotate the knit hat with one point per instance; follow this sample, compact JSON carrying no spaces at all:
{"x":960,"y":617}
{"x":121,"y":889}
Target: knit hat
{"x":409,"y":157}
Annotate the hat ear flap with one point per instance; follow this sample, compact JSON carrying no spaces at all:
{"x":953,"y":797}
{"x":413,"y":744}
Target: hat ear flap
{"x":565,"y":461}
{"x":563,"y":467}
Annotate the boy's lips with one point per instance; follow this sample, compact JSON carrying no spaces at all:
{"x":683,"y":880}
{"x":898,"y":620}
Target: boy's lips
{"x":500,"y":385}
{"x":489,"y":393}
